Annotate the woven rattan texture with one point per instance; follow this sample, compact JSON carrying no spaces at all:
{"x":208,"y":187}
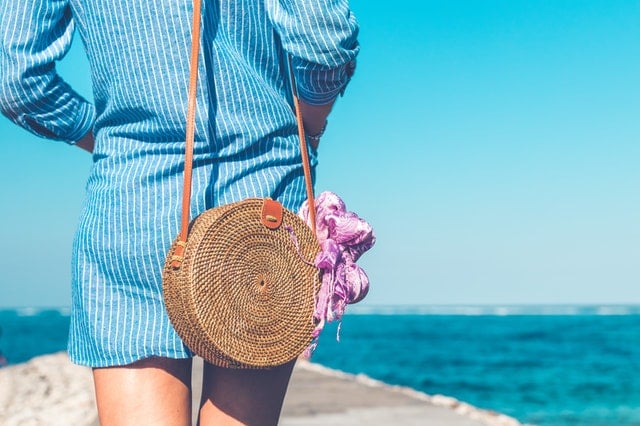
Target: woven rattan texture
{"x":244,"y":295}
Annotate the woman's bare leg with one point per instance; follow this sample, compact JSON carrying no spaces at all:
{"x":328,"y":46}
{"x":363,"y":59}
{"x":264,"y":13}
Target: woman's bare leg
{"x":232,"y":397}
{"x":153,"y":391}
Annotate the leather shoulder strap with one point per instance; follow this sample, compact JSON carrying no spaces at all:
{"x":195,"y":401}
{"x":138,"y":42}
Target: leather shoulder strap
{"x":191,"y":122}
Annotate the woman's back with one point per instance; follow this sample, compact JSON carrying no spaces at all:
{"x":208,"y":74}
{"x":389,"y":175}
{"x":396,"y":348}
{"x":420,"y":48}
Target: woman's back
{"x":139,"y":55}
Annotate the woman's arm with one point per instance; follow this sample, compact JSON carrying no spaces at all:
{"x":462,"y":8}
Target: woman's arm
{"x":315,"y":120}
{"x":321,"y":36}
{"x":34,"y":34}
{"x":87,"y":142}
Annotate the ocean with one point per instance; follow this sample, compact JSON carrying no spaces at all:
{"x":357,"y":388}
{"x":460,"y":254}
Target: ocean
{"x":547,"y":366}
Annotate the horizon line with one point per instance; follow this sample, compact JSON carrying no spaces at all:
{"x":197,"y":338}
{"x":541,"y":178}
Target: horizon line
{"x":434,"y":309}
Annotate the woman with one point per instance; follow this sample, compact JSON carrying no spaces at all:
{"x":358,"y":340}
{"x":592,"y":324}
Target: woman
{"x":245,"y":147}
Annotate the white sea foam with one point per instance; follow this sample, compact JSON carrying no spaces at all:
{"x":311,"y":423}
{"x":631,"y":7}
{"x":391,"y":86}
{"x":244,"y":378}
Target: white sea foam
{"x":64,"y":311}
{"x":31,"y":311}
{"x":28,"y":312}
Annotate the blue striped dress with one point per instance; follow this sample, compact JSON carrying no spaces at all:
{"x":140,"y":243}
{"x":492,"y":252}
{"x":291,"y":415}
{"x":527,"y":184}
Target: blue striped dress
{"x":245,"y":133}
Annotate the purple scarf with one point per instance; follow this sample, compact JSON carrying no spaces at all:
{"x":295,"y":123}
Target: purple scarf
{"x":343,"y":238}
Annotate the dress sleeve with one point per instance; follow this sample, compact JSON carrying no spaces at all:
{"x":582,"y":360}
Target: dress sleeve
{"x":33,"y":35}
{"x":321,"y":36}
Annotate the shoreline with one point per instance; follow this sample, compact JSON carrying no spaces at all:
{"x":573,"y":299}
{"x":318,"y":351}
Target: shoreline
{"x":50,"y":388}
{"x":400,"y":402}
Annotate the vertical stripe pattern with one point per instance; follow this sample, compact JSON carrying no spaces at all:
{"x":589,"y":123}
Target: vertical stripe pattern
{"x":246,"y":143}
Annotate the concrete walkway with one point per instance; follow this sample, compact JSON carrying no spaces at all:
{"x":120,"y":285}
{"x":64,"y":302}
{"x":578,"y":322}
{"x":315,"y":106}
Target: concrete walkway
{"x":50,"y":391}
{"x":321,"y":396}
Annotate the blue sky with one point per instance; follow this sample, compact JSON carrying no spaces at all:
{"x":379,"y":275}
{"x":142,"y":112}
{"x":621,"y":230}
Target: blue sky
{"x":494,"y":146}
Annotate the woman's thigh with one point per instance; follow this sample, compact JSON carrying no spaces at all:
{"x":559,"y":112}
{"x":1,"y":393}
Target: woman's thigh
{"x":153,"y":391}
{"x":243,"y":397}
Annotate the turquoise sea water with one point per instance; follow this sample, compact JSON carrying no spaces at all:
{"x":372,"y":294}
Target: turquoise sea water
{"x":571,"y":366}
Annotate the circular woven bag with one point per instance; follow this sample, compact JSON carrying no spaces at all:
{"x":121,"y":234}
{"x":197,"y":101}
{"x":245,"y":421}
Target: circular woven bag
{"x":244,"y":294}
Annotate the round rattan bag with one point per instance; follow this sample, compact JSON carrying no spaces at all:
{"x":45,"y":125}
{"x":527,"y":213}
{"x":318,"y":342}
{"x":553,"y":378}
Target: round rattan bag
{"x":244,"y":293}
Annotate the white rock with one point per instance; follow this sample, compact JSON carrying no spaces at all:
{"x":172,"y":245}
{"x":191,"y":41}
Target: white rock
{"x":49,"y":391}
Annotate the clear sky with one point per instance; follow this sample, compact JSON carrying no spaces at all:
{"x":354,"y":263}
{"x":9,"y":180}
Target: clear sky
{"x":494,"y":145}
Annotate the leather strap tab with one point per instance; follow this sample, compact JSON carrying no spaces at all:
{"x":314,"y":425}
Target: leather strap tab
{"x":271,"y":216}
{"x":178,"y":254}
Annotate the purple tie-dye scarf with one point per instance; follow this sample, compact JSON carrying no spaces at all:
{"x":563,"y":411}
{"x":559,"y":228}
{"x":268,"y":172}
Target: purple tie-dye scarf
{"x":343,"y":238}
